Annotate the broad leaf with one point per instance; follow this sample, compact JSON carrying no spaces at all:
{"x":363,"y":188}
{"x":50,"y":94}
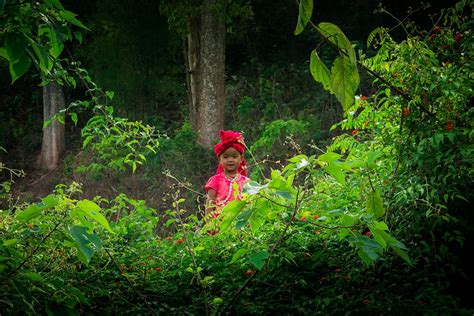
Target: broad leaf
{"x":334,"y":34}
{"x":3,"y":52}
{"x":344,"y":81}
{"x":50,"y":201}
{"x":230,"y":212}
{"x":71,"y":18}
{"x":15,"y":46}
{"x":259,"y":214}
{"x":10,"y":242}
{"x":336,"y":172}
{"x":44,"y":60}
{"x":320,"y":71}
{"x":253,"y":187}
{"x":258,"y":259}
{"x":33,"y":276}
{"x":368,"y":250}
{"x":55,"y":42}
{"x":91,"y":210}
{"x":86,"y":244}
{"x":374,"y":204}
{"x":18,"y":68}
{"x":305,"y":10}
{"x":329,"y":157}
{"x":238,"y":254}
{"x":31,"y":211}
{"x":54,"y":4}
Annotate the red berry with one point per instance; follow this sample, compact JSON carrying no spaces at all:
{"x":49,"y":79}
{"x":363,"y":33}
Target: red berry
{"x":449,"y":126}
{"x":457,"y":37}
{"x":363,"y":98}
{"x":212,"y":233}
{"x":366,"y":301}
{"x":179,"y":241}
{"x":355,"y":131}
{"x":249,"y":272}
{"x":405,"y":111}
{"x":158,"y":269}
{"x":436,"y":29}
{"x":368,"y":234}
{"x":315,"y":216}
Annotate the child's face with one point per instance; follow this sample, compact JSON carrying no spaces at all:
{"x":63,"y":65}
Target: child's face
{"x":230,"y":160}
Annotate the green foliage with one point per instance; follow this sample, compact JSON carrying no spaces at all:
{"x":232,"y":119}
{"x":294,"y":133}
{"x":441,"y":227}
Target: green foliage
{"x":343,"y":78}
{"x":305,"y":8}
{"x":274,"y":131}
{"x":322,"y":233}
{"x":118,"y":142}
{"x":34,"y":33}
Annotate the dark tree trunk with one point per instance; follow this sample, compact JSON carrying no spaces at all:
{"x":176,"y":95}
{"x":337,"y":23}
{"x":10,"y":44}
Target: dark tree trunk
{"x":205,"y":59}
{"x":53,"y":145}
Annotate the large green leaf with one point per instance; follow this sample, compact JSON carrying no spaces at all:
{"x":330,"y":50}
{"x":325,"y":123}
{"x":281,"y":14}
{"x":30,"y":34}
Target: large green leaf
{"x":258,"y":259}
{"x":239,"y":253}
{"x":230,"y":212}
{"x":71,"y":18}
{"x":259,"y":214}
{"x":18,"y":68}
{"x":15,"y":45}
{"x":44,"y":61}
{"x":33,"y":276}
{"x":320,"y":71}
{"x":50,"y":201}
{"x":3,"y":53}
{"x":253,"y":187}
{"x":55,"y":41}
{"x":54,"y":4}
{"x":31,"y":211}
{"x":403,"y":254}
{"x":305,"y":10}
{"x":334,"y":34}
{"x":86,"y":244}
{"x":35,"y":210}
{"x":336,"y":172}
{"x":281,"y":184}
{"x":374,"y":204}
{"x":344,"y":81}
{"x":368,"y":250}
{"x":329,"y":156}
{"x":92,"y":210}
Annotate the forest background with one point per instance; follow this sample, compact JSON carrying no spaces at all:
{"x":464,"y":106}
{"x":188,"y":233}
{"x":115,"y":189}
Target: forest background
{"x":133,"y":51}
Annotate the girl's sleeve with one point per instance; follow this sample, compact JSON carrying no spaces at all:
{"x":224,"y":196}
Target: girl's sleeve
{"x":211,"y":184}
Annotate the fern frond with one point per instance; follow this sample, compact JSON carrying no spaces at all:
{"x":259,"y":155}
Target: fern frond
{"x":379,"y":31}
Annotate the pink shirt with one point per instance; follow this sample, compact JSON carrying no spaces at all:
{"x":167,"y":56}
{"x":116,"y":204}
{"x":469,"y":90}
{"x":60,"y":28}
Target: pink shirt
{"x":224,"y":188}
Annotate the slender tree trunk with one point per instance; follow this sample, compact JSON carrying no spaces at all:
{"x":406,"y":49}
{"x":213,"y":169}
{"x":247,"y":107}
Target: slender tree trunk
{"x":53,"y":146}
{"x":205,"y":59}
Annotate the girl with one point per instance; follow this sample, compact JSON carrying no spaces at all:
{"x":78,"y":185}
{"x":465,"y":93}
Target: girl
{"x":226,"y":185}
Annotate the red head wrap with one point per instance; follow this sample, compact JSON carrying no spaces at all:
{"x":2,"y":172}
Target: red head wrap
{"x":234,"y":140}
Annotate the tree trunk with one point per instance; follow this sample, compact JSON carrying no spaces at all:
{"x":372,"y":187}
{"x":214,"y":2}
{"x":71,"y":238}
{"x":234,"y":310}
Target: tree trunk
{"x":205,"y":59}
{"x":53,"y":145}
